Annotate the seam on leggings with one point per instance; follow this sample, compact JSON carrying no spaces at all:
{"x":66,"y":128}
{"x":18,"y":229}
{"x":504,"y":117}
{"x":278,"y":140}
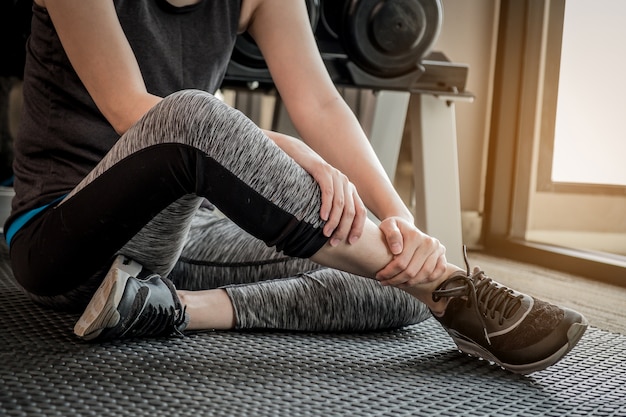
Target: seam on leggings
{"x":190,"y":261}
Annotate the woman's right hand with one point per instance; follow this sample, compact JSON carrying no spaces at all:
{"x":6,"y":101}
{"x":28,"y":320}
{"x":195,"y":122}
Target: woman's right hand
{"x":341,"y":208}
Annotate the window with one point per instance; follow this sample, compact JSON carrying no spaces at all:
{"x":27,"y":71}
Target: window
{"x":552,"y":197}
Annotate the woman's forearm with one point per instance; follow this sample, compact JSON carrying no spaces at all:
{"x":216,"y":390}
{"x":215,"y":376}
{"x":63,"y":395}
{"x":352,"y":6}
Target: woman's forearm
{"x":338,"y":137}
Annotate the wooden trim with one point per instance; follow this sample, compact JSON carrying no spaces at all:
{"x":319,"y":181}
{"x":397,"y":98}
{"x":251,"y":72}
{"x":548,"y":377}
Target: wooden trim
{"x":577,"y":188}
{"x":530,"y":99}
{"x":550,"y":94}
{"x":597,"y":266}
{"x":504,"y":121}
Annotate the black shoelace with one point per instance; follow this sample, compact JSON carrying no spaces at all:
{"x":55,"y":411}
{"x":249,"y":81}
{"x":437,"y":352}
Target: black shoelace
{"x":486,"y":296}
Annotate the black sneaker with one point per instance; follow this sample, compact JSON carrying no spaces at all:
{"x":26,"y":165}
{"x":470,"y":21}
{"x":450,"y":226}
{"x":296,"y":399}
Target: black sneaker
{"x":518,"y":332}
{"x":128,"y":304}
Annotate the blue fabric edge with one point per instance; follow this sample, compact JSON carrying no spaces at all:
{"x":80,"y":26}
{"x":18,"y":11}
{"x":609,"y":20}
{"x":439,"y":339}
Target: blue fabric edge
{"x":19,"y":222}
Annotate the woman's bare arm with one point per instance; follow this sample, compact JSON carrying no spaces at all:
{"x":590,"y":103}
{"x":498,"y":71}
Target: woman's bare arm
{"x":321,"y":116}
{"x":98,"y":50}
{"x":326,"y":123}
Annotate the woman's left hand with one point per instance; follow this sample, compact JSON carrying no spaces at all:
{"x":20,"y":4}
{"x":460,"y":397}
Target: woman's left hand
{"x":417,"y":257}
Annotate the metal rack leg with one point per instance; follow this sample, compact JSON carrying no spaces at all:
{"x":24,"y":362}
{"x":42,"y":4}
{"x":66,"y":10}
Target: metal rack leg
{"x":388,"y":121}
{"x":436,"y":172}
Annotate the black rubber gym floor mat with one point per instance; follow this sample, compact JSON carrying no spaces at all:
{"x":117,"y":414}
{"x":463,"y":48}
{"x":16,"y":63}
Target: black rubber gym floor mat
{"x":415,"y":371}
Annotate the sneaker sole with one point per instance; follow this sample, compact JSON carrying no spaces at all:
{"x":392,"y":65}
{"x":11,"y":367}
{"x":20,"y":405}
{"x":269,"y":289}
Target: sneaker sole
{"x":101,"y":312}
{"x":574,"y":334}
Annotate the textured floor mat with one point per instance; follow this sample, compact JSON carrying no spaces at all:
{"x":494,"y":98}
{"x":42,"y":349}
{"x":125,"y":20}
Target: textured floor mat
{"x":415,"y":371}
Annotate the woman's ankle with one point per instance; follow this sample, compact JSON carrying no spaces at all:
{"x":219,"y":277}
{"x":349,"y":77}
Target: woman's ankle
{"x":208,"y":309}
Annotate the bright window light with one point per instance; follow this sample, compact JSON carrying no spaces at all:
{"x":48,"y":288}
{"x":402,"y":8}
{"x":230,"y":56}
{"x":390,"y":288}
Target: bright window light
{"x":590,"y":136}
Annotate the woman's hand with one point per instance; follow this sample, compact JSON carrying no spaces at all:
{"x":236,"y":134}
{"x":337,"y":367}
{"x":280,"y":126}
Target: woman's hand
{"x":342,"y":208}
{"x":418,"y":258}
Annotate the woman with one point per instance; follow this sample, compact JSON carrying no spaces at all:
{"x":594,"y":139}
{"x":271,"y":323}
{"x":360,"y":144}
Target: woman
{"x":122,"y":142}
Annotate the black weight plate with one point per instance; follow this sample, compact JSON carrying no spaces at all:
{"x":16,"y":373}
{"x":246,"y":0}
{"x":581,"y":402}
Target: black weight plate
{"x":332,"y":16}
{"x":388,"y":38}
{"x":247,"y":53}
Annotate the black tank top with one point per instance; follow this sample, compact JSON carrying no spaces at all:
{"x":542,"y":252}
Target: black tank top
{"x":63,"y":135}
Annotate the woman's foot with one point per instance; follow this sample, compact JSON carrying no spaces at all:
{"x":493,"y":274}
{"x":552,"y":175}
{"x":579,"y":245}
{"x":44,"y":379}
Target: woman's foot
{"x":131,"y":302}
{"x":520,"y":333}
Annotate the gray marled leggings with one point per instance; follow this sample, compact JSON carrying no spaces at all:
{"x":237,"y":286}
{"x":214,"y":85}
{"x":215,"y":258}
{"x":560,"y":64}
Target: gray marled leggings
{"x":270,"y":290}
{"x":255,"y":253}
